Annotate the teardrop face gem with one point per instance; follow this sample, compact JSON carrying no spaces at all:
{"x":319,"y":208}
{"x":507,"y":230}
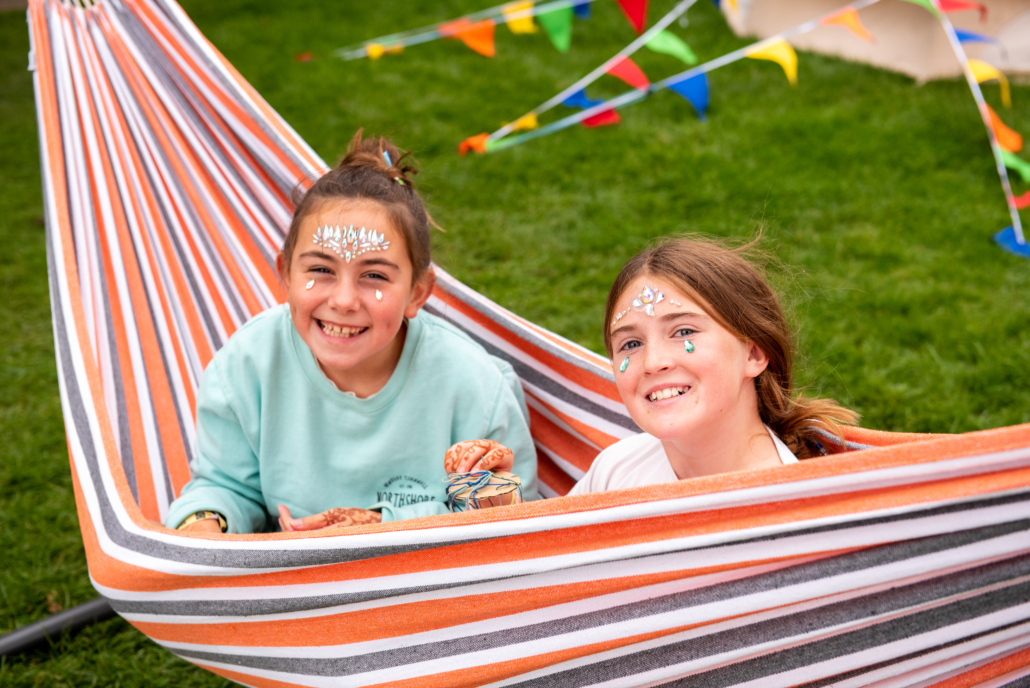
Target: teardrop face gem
{"x":658,"y":299}
{"x":309,"y":284}
{"x":625,"y":364}
{"x":688,"y":346}
{"x":379,"y":295}
{"x":647,"y":296}
{"x":637,"y":303}
{"x":649,"y":309}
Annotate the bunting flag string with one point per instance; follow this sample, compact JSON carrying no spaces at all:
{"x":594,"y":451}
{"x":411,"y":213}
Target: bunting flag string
{"x":476,"y":30}
{"x":1011,"y":238}
{"x":691,"y":84}
{"x":575,"y":95}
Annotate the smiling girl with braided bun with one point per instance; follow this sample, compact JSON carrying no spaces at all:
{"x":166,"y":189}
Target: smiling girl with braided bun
{"x":339,"y":406}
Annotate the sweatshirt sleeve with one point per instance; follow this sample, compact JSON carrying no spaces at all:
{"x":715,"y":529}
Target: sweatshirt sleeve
{"x":226,"y":471}
{"x":509,"y":425}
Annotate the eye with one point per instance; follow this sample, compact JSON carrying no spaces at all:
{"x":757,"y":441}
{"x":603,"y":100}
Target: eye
{"x":376,"y":276}
{"x":321,"y":269}
{"x":685,"y":332}
{"x":629,"y":345}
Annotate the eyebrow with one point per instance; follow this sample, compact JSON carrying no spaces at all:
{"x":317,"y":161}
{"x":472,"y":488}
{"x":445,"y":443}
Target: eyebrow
{"x":365,"y":261}
{"x":316,"y":254}
{"x":664,"y":318}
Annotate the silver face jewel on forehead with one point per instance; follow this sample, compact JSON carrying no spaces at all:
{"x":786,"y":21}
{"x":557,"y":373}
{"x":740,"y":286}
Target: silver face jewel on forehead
{"x":349,"y":243}
{"x":647,"y":299}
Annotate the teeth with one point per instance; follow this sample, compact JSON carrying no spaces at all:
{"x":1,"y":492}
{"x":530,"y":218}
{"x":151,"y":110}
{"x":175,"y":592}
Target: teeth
{"x":334,"y":331}
{"x":666,"y":393}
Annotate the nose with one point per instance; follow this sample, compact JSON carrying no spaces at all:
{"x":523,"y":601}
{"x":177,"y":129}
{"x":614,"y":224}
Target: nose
{"x":655,"y":359}
{"x":344,"y":296}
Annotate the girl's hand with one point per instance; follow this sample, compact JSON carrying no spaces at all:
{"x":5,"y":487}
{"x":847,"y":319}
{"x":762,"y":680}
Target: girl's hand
{"x":478,"y":455}
{"x":207,"y":525}
{"x":333,"y":518}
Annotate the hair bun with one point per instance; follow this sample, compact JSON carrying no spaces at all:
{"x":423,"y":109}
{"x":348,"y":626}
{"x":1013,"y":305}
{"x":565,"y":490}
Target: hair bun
{"x":377,"y":153}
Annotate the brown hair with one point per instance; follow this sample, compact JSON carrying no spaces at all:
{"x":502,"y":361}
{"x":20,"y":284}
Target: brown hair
{"x":726,"y":283}
{"x":365,"y":174}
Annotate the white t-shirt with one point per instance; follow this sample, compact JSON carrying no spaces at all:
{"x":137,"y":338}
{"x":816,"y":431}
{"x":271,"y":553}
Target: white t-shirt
{"x":641,"y":460}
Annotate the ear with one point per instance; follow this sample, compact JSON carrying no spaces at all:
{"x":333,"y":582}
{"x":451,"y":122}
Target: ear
{"x":283,"y":269}
{"x":420,"y":293}
{"x":757,"y":361}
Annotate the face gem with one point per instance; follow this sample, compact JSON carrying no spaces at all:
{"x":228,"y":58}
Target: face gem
{"x":646,"y":300}
{"x":688,"y":346}
{"x":625,"y":364}
{"x":309,"y":284}
{"x":350,"y":243}
{"x":379,"y":295}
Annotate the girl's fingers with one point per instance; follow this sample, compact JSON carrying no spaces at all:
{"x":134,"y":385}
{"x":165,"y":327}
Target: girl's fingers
{"x":500,"y":458}
{"x":284,"y":519}
{"x":316,"y":522}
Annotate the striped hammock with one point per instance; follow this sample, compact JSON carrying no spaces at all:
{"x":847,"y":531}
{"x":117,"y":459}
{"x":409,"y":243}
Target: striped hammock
{"x":167,"y":181}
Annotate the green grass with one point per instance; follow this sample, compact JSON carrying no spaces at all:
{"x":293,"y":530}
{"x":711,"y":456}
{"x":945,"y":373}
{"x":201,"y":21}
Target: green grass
{"x":877,"y":196}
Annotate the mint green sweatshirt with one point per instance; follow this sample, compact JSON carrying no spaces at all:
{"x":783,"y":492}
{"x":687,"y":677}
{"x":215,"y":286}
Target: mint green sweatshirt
{"x":272,"y":429}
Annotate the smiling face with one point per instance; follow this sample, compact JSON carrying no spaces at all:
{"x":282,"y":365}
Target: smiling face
{"x":673,"y":394}
{"x":350,"y":313}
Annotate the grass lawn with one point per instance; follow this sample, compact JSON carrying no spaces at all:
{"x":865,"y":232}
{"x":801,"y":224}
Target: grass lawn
{"x":878,"y":198}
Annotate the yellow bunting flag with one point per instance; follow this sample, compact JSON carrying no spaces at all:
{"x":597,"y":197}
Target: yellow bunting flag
{"x":1008,"y":138}
{"x":733,"y":6}
{"x":519,"y":16}
{"x":985,"y":72}
{"x":849,"y":19}
{"x":374,"y":51}
{"x":526,"y":123}
{"x":780,"y":52}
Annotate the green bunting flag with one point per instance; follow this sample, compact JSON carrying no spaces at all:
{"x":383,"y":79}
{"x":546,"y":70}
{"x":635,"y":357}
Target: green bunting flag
{"x":1014,"y":162}
{"x":558,"y":25}
{"x":671,"y":44}
{"x":928,"y":4}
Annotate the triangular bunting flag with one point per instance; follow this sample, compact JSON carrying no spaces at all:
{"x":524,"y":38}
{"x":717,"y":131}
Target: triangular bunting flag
{"x":1014,"y":162}
{"x":928,"y":4}
{"x":602,"y":119}
{"x":526,"y":123}
{"x":636,"y":13}
{"x":627,"y":70}
{"x":519,"y":16}
{"x":963,"y":6}
{"x":849,"y":19}
{"x":671,"y":44}
{"x":973,"y":37}
{"x":478,"y":36}
{"x":985,"y":72}
{"x":580,"y":100}
{"x":695,"y":90}
{"x":558,"y":25}
{"x":475,"y":143}
{"x":780,"y":52}
{"x":1009,"y":139}
{"x":1023,"y":202}
{"x":582,"y":10}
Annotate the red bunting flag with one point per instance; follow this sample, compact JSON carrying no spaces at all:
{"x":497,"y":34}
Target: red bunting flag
{"x":627,"y":70}
{"x":1023,"y":202}
{"x":475,"y":143}
{"x":636,"y":13}
{"x":602,"y":119}
{"x":962,"y":6}
{"x":1008,"y":138}
{"x":478,"y":36}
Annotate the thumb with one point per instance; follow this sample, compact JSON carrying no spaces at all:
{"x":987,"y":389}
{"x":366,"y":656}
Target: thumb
{"x":499,"y":458}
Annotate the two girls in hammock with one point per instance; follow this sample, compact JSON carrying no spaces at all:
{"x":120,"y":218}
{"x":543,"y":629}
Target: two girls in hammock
{"x":703,"y":358}
{"x":350,"y":404}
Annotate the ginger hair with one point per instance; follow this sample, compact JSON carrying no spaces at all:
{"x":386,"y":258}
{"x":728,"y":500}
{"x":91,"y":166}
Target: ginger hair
{"x":365,"y":175}
{"x":725,"y":282}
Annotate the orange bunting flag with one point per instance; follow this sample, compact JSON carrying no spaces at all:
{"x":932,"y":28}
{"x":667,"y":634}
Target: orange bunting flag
{"x":985,"y":72}
{"x":962,"y":6}
{"x":475,"y":143}
{"x":478,"y":36}
{"x":849,"y":19}
{"x":602,"y":119}
{"x":780,"y":52}
{"x":627,"y":70}
{"x":1008,"y":138}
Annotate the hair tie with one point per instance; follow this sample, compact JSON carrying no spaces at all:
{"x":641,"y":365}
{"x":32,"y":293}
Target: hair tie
{"x":386,"y":157}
